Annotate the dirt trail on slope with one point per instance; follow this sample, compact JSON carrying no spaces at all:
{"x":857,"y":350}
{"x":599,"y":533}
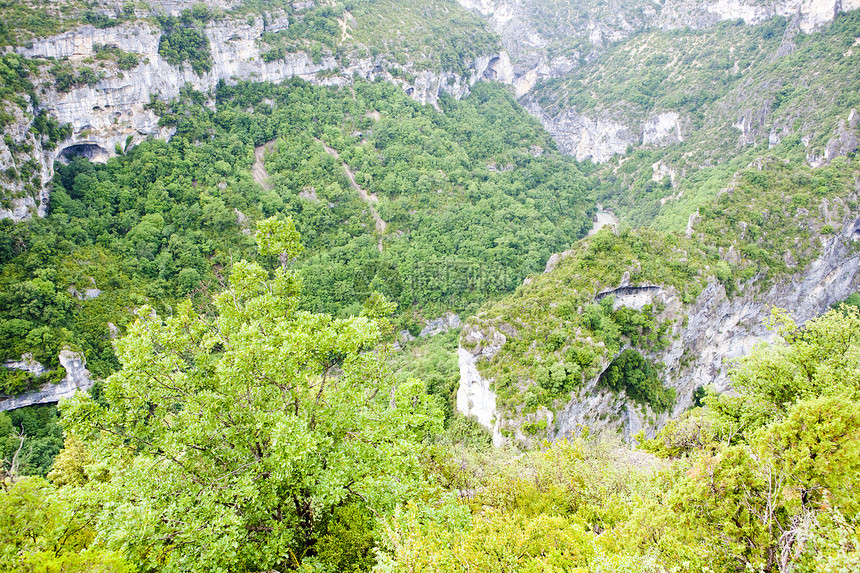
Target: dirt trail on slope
{"x":368,"y":198}
{"x":258,"y":170}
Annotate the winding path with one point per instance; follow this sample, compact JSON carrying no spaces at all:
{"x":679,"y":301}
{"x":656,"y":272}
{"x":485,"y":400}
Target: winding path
{"x":258,"y":170}
{"x":368,"y":198}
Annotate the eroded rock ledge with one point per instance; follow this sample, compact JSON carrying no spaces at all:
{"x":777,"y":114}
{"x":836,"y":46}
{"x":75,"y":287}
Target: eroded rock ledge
{"x":77,"y":379}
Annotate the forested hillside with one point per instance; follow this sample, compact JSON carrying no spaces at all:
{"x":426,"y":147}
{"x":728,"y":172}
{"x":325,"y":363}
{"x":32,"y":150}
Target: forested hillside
{"x":775,"y":90}
{"x":260,"y":436}
{"x":476,"y":189}
{"x":390,"y":285}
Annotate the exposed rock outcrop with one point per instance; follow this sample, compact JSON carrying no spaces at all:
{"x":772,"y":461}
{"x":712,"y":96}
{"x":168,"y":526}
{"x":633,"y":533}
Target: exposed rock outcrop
{"x":662,"y":129}
{"x":811,"y":14}
{"x":708,"y":335}
{"x":634,"y":297}
{"x":541,"y":38}
{"x":113,"y":113}
{"x":662,"y":170}
{"x":27,"y":193}
{"x":27,"y":364}
{"x":600,"y":138}
{"x":526,"y":38}
{"x":583,"y":137}
{"x":527,"y":42}
{"x":846,"y":140}
{"x":474,"y":396}
{"x":77,"y":378}
{"x":720,"y":328}
{"x":449,"y":321}
{"x":554,"y":259}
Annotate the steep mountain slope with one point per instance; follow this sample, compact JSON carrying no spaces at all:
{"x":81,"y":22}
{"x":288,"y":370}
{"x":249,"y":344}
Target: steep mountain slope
{"x":550,"y":38}
{"x":628,"y":325}
{"x":688,"y":85}
{"x":702,"y":117}
{"x":702,"y":101}
{"x":473,"y":199}
{"x":98,"y":77}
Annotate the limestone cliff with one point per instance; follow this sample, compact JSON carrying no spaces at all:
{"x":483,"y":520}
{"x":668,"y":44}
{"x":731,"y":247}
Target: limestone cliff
{"x":113,"y":112}
{"x":18,"y":150}
{"x":601,"y":138}
{"x":77,"y":379}
{"x":528,"y":28}
{"x":474,"y":396}
{"x":547,"y":41}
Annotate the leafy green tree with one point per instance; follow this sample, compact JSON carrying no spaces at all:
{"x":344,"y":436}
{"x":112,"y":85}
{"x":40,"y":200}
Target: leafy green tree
{"x":231,"y":441}
{"x":39,"y":531}
{"x":785,"y":472}
{"x":633,"y":374}
{"x":821,"y":358}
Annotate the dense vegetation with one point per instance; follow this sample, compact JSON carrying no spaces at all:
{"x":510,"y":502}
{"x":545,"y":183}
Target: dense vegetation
{"x":262,"y":466}
{"x":437,"y":35}
{"x":763,"y":481}
{"x":633,"y":374}
{"x":158,"y":223}
{"x":184,"y":40}
{"x":772,"y":222}
{"x":405,"y":36}
{"x":564,"y":330}
{"x":30,"y":439}
{"x":249,"y":291}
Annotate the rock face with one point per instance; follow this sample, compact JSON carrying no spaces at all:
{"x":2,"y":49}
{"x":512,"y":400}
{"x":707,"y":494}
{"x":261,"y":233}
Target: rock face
{"x":112,"y":113}
{"x":811,"y":14}
{"x":77,"y":378}
{"x":722,"y":329}
{"x":846,"y":140}
{"x":521,"y":25}
{"x":716,"y":330}
{"x":601,"y":138}
{"x":585,"y":138}
{"x":441,"y":325}
{"x":635,"y":297}
{"x":662,"y":129}
{"x":596,"y":408}
{"x":26,"y":364}
{"x":474,"y":397}
{"x":28,"y":194}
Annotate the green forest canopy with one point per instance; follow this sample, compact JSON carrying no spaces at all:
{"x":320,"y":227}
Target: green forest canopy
{"x":462,"y":190}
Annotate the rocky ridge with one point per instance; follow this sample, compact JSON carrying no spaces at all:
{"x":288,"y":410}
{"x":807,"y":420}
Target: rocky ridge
{"x":708,"y":334}
{"x":527,"y":39}
{"x":547,"y":42}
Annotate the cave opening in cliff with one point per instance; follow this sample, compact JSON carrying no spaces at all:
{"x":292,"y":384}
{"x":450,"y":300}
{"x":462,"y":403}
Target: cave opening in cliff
{"x":492,"y":72}
{"x":92,"y":151}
